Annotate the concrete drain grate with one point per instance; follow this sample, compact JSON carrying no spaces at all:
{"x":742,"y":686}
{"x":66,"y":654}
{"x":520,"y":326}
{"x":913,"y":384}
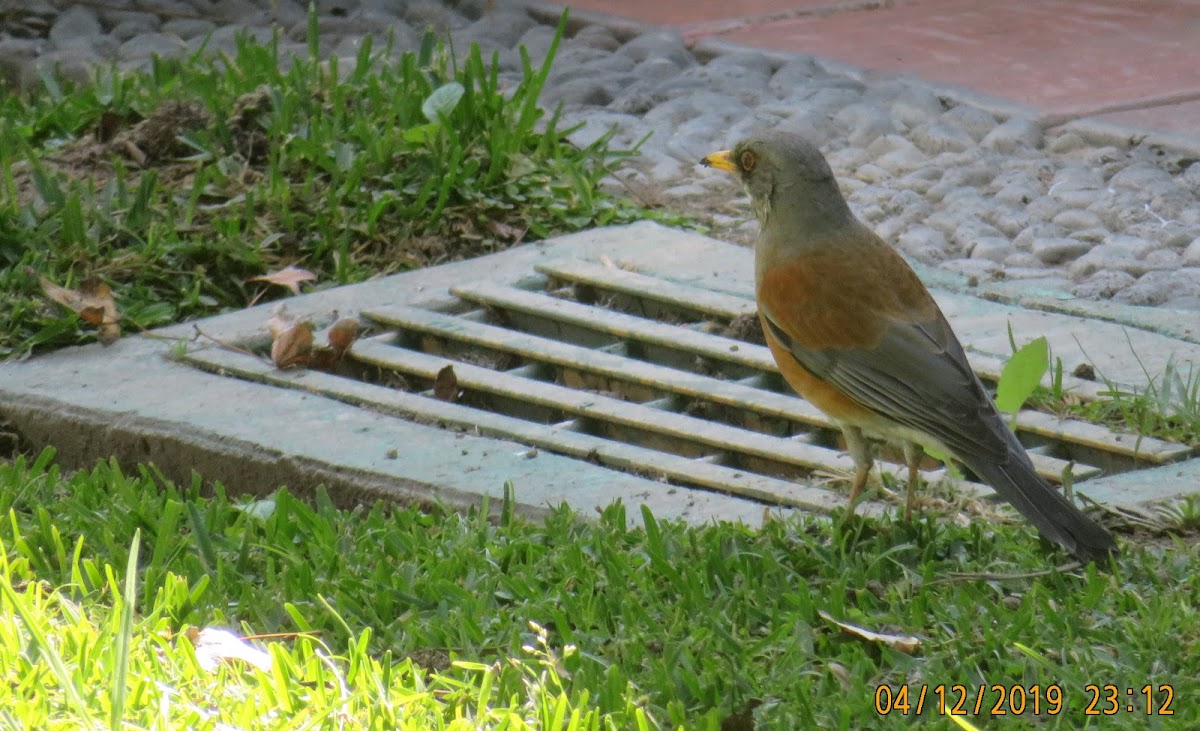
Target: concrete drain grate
{"x":643,"y":375}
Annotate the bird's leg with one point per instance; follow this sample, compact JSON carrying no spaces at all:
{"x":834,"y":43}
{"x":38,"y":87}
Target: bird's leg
{"x":860,"y":451}
{"x":912,"y":455}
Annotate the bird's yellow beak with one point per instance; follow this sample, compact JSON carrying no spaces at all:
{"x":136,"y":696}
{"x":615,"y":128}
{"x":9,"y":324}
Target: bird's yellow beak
{"x":722,"y":160}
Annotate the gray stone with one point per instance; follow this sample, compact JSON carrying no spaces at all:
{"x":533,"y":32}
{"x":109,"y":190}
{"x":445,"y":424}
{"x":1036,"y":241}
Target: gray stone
{"x":971,"y":231}
{"x":671,"y":114}
{"x":1170,"y":205}
{"x":506,"y":29}
{"x":536,"y":41}
{"x":240,"y":12}
{"x":865,"y":122}
{"x":150,"y":44}
{"x":422,"y":14}
{"x":1126,"y":245}
{"x":1065,"y":143}
{"x":576,"y":61}
{"x":795,"y":74}
{"x":847,"y":158}
{"x":642,"y":96}
{"x":1076,"y":219}
{"x":1101,"y":257}
{"x":924,"y":243}
{"x":18,"y":60}
{"x":1103,"y":284}
{"x":961,"y":176}
{"x":758,"y":121}
{"x":992,"y":248}
{"x":596,"y":36}
{"x":594,"y":124}
{"x":972,"y":120}
{"x":666,"y":44}
{"x":936,"y":137}
{"x":1190,"y":178}
{"x":77,"y":66}
{"x":188,"y":28}
{"x":1010,"y":220}
{"x":1044,"y":208}
{"x":1140,"y":177}
{"x":654,"y":69}
{"x":920,"y":181}
{"x":135,"y":24}
{"x":1058,"y":250}
{"x":1023,"y":260}
{"x":1020,"y":192}
{"x":1118,"y":211}
{"x":167,"y":8}
{"x":743,"y":76}
{"x":1095,"y":235}
{"x":1157,"y":287}
{"x":871,"y":173}
{"x":586,"y":91}
{"x":828,"y":98}
{"x":1014,"y":134}
{"x":77,"y":26}
{"x":901,"y":159}
{"x":1040,"y":230}
{"x":816,"y":127}
{"x":917,"y":107}
{"x":1191,"y":255}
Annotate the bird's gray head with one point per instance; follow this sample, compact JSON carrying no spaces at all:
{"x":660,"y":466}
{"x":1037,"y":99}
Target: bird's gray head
{"x":788,"y":180}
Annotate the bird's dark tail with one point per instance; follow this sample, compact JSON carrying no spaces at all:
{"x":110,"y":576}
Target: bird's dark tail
{"x":1048,"y":509}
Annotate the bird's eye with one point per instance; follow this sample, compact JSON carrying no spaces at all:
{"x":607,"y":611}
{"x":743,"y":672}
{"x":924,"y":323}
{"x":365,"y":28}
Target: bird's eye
{"x":748,"y":160}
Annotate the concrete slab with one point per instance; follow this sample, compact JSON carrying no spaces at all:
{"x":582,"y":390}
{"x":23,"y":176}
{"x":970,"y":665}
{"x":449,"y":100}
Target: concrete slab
{"x":135,"y":402}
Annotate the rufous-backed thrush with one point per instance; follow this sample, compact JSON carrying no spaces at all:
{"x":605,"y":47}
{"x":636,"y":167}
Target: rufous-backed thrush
{"x":856,"y":333}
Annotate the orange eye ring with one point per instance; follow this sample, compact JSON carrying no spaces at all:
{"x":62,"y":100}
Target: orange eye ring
{"x":748,"y":160}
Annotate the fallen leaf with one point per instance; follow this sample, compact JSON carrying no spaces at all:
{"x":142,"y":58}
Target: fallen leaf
{"x":214,"y":646}
{"x":93,"y":302}
{"x":290,"y":277}
{"x":342,"y":335}
{"x":901,"y":643}
{"x":293,"y":346}
{"x":445,"y":386}
{"x":508,"y":231}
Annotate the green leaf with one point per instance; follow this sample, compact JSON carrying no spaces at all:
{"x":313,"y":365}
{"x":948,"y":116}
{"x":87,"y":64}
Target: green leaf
{"x":1021,"y":375}
{"x":420,"y":133}
{"x":442,"y":101}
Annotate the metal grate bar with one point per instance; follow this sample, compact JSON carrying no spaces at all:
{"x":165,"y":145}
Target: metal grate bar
{"x":728,"y":307}
{"x":654,"y":377}
{"x":1095,"y":438}
{"x":618,"y":324}
{"x":608,"y":453}
{"x":692,"y":299}
{"x":679,"y":427}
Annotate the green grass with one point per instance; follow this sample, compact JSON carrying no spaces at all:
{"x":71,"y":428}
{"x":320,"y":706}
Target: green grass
{"x":213,"y":171}
{"x":408,"y":619}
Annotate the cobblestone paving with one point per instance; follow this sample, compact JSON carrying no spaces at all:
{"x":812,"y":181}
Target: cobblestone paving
{"x":1094,"y":213}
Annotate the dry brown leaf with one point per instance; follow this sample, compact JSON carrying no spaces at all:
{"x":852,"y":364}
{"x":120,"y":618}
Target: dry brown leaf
{"x":445,"y":386}
{"x":290,"y":277}
{"x":901,"y":643}
{"x":512,"y":233}
{"x":214,"y":646}
{"x":93,"y":302}
{"x":293,"y":346}
{"x":342,"y":335}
